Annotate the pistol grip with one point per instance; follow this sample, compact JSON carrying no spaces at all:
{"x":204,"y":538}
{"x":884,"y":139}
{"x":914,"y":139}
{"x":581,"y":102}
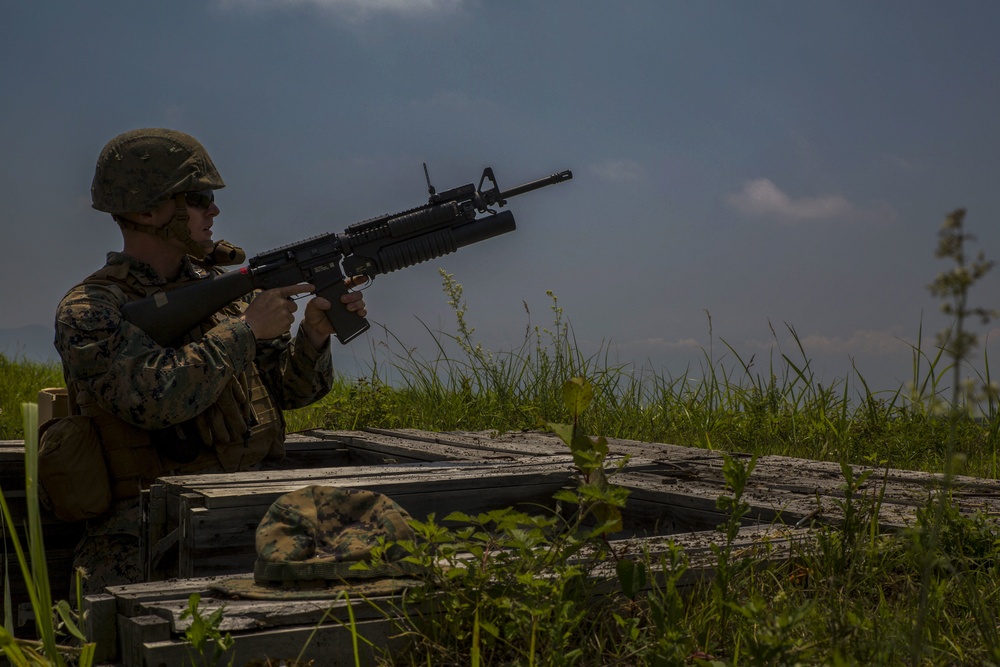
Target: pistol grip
{"x":348,"y":325}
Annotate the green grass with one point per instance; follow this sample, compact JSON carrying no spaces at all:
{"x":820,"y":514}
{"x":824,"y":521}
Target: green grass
{"x":781,"y":408}
{"x":20,"y":381}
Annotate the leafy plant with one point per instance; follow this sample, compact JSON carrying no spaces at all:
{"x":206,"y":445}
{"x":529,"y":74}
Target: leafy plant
{"x":208,"y":644}
{"x":953,"y":287}
{"x":737,"y":474}
{"x":33,"y":566}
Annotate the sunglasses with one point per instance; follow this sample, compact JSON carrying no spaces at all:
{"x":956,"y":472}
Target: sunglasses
{"x":202,"y":199}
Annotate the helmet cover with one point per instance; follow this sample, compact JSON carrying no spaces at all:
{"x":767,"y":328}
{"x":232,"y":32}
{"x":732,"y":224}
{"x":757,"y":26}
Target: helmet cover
{"x":141,"y":169}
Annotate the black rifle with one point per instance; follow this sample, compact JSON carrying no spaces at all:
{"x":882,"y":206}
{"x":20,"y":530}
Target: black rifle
{"x":446,"y":223}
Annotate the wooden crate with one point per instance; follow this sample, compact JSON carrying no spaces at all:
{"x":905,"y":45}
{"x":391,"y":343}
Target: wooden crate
{"x":212,"y":518}
{"x":204,"y":525}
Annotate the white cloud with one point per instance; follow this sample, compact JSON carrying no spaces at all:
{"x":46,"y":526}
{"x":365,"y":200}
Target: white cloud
{"x":654,"y":345}
{"x":861,"y":342}
{"x":761,"y":197}
{"x":355,"y":9}
{"x":619,"y":171}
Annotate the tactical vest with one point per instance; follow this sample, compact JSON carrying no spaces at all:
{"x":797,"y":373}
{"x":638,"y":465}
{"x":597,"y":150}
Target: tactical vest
{"x":136,"y":457}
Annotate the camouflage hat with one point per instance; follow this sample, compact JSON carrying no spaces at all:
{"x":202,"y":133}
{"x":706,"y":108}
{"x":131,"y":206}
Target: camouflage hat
{"x":141,"y":169}
{"x":310,"y":539}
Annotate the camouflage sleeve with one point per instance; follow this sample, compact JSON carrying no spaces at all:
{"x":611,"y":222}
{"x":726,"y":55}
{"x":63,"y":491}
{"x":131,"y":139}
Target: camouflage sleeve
{"x":132,"y":377}
{"x":296,"y":373}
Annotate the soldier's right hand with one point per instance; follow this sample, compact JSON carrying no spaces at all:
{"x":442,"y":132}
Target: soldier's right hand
{"x":272,"y":312}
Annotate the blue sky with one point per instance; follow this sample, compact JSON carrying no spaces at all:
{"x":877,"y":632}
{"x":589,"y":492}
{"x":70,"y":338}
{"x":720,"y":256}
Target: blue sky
{"x":766,"y":164}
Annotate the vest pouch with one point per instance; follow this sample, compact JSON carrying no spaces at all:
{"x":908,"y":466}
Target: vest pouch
{"x":72,"y":470}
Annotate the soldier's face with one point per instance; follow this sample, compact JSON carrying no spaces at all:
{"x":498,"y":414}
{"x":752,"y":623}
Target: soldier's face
{"x":200,"y":220}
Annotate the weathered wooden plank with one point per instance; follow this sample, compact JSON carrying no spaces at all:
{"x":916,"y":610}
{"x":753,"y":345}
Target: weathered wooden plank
{"x":132,"y":599}
{"x":235,"y":492}
{"x":693,"y":503}
{"x":253,"y":615}
{"x":893,"y":474}
{"x":135,"y":632}
{"x":410,"y":445}
{"x":248,"y":480}
{"x":362,"y":449}
{"x":189,"y":502}
{"x":398,"y":447}
{"x":806,"y":476}
{"x":328,"y":645}
{"x":100,"y":625}
{"x":476,"y":445}
{"x":542,"y":443}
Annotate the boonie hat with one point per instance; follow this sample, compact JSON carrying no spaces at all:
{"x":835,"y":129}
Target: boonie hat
{"x":309,"y":540}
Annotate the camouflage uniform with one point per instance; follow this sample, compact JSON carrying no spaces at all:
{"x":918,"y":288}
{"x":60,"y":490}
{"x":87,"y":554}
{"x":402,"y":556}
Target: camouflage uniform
{"x":111,"y":366}
{"x":209,"y":404}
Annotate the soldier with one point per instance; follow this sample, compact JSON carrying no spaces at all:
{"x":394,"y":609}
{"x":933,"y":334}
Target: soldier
{"x":211,"y":403}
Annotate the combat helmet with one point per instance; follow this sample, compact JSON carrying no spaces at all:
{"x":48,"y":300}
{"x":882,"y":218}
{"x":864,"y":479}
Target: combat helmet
{"x":139,"y":170}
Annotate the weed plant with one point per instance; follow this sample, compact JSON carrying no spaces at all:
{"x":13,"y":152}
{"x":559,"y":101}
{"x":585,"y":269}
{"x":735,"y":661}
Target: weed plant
{"x":53,"y":621}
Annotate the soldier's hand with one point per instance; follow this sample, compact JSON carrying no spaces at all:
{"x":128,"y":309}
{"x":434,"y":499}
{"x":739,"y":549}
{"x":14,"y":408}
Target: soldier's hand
{"x":272,"y":312}
{"x":315,"y":323}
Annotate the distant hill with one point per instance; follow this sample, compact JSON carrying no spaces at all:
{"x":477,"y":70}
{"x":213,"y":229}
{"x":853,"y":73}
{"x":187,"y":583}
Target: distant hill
{"x":33,"y":342}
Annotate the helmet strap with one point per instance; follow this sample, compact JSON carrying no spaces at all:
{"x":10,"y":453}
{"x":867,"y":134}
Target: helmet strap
{"x":177,"y":228}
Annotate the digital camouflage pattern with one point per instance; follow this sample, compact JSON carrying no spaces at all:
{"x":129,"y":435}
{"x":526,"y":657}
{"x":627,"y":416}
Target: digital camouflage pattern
{"x":320,"y":532}
{"x":151,"y":386}
{"x":109,"y":363}
{"x":109,"y":554}
{"x":139,"y":170}
{"x":310,"y":539}
{"x":119,"y":367}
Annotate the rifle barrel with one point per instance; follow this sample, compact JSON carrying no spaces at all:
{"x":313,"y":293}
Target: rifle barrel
{"x":540,"y":183}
